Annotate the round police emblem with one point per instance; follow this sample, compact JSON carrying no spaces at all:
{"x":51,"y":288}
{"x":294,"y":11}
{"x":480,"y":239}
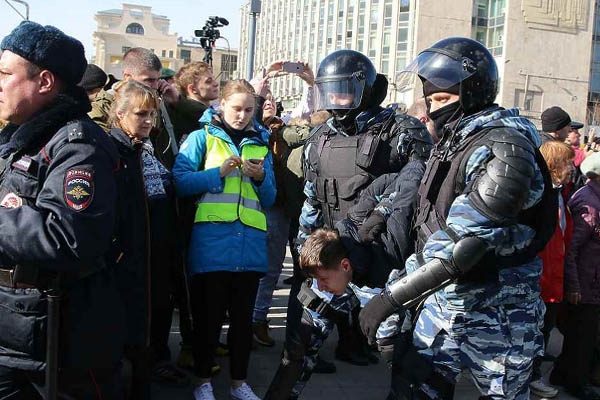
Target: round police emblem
{"x":11,"y":200}
{"x":79,"y":188}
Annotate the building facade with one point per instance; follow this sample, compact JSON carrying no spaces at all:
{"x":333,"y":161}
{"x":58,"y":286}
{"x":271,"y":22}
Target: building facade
{"x":136,"y":26}
{"x":133,"y":26}
{"x":224,"y":60}
{"x":543,"y":47}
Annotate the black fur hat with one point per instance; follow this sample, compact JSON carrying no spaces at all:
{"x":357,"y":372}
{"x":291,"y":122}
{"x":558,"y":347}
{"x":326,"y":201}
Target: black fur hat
{"x":48,"y":48}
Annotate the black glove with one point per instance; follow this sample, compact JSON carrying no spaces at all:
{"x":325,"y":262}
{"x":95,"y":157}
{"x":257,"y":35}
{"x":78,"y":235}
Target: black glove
{"x":372,"y":227}
{"x":377,"y":309}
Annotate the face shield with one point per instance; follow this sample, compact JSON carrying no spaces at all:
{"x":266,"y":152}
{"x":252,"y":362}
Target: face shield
{"x":443,"y":69}
{"x":341,"y":92}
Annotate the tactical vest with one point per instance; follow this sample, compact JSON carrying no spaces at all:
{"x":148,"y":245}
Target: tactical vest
{"x":444,"y":181}
{"x":238,"y":200}
{"x":344,"y":165}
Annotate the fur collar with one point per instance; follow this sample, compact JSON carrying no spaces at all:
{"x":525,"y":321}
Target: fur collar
{"x":34,"y":134}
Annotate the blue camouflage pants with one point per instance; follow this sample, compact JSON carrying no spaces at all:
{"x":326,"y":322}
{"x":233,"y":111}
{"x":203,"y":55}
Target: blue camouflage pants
{"x":320,"y":327}
{"x":496,"y":345}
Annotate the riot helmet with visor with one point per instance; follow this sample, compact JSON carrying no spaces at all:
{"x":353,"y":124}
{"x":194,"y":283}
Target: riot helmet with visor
{"x":344,"y":84}
{"x":455,"y":63}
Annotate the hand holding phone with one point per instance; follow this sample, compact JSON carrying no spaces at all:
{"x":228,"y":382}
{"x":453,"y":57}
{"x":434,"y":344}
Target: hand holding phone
{"x":253,"y":167}
{"x":292,"y":67}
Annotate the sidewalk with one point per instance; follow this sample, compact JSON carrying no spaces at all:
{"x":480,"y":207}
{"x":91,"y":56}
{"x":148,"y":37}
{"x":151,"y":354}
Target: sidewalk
{"x":349,"y":383}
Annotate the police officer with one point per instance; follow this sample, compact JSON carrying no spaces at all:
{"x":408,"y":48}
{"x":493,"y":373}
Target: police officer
{"x":482,"y":217}
{"x":57,"y":198}
{"x":342,"y":157}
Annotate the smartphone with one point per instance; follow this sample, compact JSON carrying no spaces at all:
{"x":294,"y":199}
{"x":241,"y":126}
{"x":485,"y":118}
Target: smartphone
{"x":256,"y":161}
{"x":292,"y":67}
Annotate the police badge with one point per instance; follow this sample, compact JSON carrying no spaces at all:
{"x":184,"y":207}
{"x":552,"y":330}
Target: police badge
{"x":79,"y":188}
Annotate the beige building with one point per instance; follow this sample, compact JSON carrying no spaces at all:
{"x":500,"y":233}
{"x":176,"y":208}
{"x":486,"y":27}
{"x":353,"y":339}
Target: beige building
{"x":136,"y":26}
{"x":132,"y":26}
{"x":543,"y":47}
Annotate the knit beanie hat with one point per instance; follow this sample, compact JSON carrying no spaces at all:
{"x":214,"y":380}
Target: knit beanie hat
{"x":554,"y":119}
{"x":93,"y":78}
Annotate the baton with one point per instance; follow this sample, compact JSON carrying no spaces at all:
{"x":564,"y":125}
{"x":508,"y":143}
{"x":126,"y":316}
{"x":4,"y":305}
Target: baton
{"x":52,"y":345}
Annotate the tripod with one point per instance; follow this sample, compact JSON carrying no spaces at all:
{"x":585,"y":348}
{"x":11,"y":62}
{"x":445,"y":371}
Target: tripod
{"x":208,"y":49}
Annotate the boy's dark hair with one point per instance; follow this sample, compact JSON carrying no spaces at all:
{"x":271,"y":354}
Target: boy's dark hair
{"x":322,"y":250}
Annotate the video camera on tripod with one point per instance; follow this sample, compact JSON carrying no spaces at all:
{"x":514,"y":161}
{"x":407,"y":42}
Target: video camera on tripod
{"x":209,"y":34}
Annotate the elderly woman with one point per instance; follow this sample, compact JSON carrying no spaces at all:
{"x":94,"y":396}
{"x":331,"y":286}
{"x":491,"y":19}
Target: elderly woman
{"x":582,"y":287}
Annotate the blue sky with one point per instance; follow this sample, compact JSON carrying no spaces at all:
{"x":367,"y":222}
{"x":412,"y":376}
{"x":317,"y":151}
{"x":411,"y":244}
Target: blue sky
{"x":76,"y":18}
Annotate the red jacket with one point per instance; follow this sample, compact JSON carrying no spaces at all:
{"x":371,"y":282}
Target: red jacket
{"x":553,"y":261}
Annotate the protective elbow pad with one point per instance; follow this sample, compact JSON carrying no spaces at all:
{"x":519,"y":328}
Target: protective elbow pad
{"x":502,"y":190}
{"x":437,"y":273}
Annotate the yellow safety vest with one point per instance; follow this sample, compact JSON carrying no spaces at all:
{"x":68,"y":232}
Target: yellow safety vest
{"x":238,"y":200}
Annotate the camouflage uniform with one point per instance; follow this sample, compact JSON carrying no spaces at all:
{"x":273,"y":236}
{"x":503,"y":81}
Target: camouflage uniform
{"x":101,"y":109}
{"x":492,"y":328}
{"x":322,"y":327}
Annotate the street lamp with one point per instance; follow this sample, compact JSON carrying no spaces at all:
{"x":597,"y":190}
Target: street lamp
{"x":254,"y":12}
{"x":26,"y":16}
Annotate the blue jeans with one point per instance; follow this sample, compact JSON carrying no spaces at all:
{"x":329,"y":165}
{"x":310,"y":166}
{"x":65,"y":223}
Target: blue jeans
{"x":278,"y":225}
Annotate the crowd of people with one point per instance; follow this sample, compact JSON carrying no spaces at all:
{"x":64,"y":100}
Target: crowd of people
{"x":448,"y":237}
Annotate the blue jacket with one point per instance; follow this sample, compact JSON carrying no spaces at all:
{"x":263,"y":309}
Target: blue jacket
{"x":229,"y":246}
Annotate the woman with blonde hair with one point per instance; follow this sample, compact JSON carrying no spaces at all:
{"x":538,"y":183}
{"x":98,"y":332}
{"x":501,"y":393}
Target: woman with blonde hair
{"x":227,"y":166}
{"x":148,"y":250}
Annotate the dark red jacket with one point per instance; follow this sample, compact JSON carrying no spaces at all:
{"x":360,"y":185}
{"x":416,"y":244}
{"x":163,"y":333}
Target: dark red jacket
{"x":553,"y":261}
{"x":582,"y":266}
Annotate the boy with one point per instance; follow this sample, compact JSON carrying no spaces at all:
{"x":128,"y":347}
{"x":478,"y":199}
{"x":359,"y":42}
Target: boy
{"x":325,"y":258}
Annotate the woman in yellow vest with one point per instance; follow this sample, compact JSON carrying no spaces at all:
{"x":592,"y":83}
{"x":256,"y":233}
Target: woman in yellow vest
{"x":226,"y":165}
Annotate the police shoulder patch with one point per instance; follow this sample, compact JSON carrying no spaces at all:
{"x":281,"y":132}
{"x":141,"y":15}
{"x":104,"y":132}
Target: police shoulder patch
{"x":79,"y":188}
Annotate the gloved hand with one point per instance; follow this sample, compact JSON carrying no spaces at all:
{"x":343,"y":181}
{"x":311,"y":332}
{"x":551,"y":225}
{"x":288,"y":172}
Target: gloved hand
{"x":377,"y":309}
{"x":372,"y":227}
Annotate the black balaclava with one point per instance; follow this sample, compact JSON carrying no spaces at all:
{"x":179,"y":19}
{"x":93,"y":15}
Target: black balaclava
{"x":447,"y":114}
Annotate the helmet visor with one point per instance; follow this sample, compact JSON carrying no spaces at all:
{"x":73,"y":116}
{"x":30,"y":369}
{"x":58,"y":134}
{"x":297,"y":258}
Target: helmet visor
{"x":442,"y":69}
{"x":338,"y":93}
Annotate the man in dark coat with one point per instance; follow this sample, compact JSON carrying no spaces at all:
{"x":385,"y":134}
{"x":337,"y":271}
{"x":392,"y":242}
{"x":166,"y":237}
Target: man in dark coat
{"x":57,"y":198}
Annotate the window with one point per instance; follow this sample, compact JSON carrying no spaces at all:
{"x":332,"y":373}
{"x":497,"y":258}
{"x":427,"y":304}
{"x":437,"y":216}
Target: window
{"x":125,"y":49}
{"x":186,"y":55}
{"x":228,"y":62}
{"x":164,"y":53}
{"x":488,"y":24}
{"x":135,"y":29}
{"x":170,"y":53}
{"x":532,"y":101}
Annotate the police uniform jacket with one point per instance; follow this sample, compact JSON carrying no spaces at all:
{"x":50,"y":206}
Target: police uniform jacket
{"x":57,"y":198}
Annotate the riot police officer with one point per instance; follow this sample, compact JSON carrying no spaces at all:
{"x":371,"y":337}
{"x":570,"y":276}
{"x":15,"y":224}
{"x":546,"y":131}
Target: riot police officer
{"x":483,"y":214}
{"x":343,"y":156}
{"x":57,"y":198}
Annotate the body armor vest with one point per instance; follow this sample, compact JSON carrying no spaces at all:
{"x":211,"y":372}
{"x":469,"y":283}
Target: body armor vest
{"x":444,"y":181}
{"x":344,"y":165}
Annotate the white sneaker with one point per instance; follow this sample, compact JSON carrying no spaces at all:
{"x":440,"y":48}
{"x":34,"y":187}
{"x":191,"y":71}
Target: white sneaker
{"x":204,"y":392}
{"x":542,"y":389}
{"x":243,"y":392}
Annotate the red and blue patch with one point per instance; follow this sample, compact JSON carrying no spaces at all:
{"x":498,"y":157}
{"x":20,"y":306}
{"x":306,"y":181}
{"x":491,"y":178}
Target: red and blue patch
{"x":79,"y":188}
